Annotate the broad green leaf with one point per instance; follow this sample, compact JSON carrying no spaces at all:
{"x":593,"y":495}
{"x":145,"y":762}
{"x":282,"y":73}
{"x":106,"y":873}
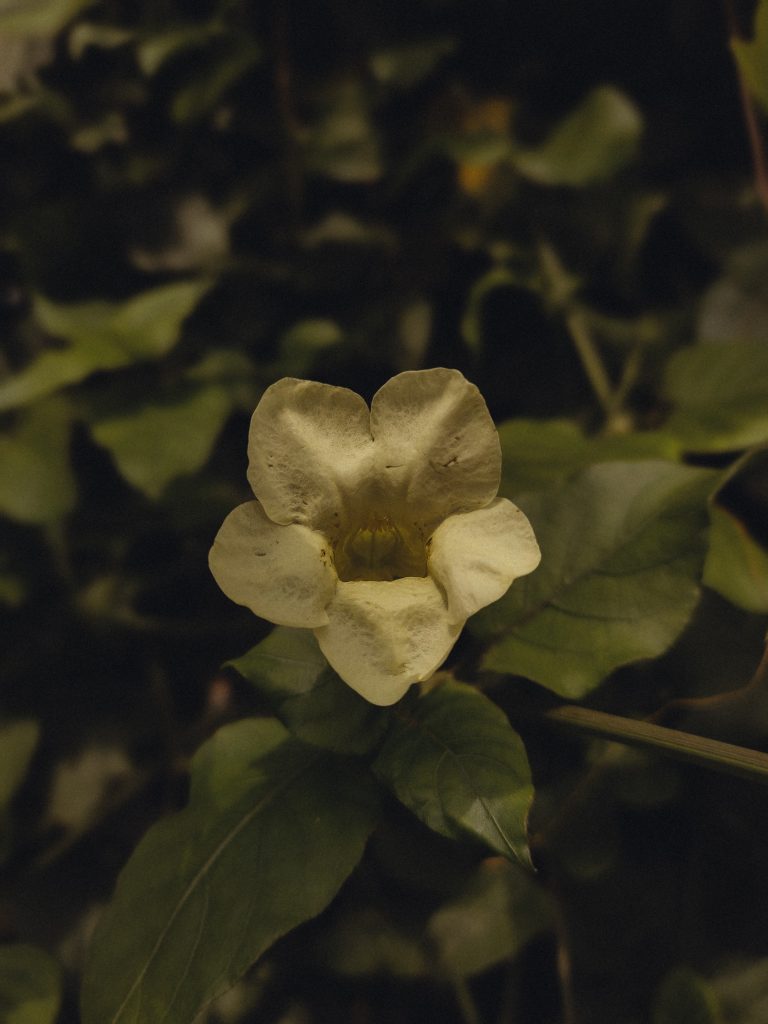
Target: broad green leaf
{"x":456,"y":762}
{"x":307,"y":696}
{"x":39,"y":17}
{"x":544,"y":453}
{"x":208,"y":87}
{"x":752,"y":56}
{"x":719,"y":395}
{"x":18,"y":741}
{"x":302,"y":342}
{"x":622,"y":550}
{"x":272,"y":830}
{"x":154,"y":442}
{"x":592,"y":143}
{"x":500,"y":911}
{"x":102,"y":336}
{"x":36,"y":480}
{"x":30,"y":986}
{"x":684,"y":997}
{"x":737,"y":564}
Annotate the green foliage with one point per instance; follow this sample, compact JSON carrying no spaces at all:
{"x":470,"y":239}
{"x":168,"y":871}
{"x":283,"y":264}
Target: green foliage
{"x":307,"y":696}
{"x":685,"y":996}
{"x":753,"y":55}
{"x":499,"y":912}
{"x":623,"y":547}
{"x":102,"y":336}
{"x":45,"y":17}
{"x":30,"y":986}
{"x":271,"y":832}
{"x":36,"y":480}
{"x":456,"y":762}
{"x":592,"y":143}
{"x":18,"y":741}
{"x":719,"y":395}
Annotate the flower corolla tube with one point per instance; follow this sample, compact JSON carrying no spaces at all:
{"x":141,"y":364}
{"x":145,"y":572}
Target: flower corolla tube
{"x":379,"y":529}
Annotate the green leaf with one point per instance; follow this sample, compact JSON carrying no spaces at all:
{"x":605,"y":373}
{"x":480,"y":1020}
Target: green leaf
{"x":155,"y":442}
{"x":18,"y":742}
{"x":210,"y":84}
{"x":272,"y":830}
{"x":622,"y":550}
{"x":737,"y":564}
{"x":102,"y":336}
{"x":719,"y":394}
{"x":458,"y":765}
{"x":591,"y":144}
{"x":500,"y":911}
{"x":752,"y":56}
{"x":30,"y":986}
{"x":544,"y":453}
{"x":153,"y":51}
{"x":36,"y":480}
{"x":685,"y":996}
{"x":305,"y":340}
{"x":307,"y":696}
{"x":39,"y":17}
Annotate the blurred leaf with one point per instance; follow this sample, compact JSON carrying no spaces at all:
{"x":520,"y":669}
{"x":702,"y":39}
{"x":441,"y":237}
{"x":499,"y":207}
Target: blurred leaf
{"x":405,"y":66}
{"x":456,"y":762}
{"x":44,"y":17}
{"x":343,"y":145}
{"x":36,"y":480}
{"x":81,"y":783}
{"x":18,"y":741}
{"x":719,"y":395}
{"x":544,"y":453}
{"x":307,"y":696}
{"x":502,"y":909}
{"x":30,"y":986}
{"x":737,"y":564}
{"x":591,"y":144}
{"x":752,"y":56}
{"x":91,"y":33}
{"x":302,"y":342}
{"x":472,"y":321}
{"x":735,"y":308}
{"x":155,"y":442}
{"x":210,"y":83}
{"x":684,"y":996}
{"x":153,"y":51}
{"x":102,"y":336}
{"x":622,"y":549}
{"x":13,"y":590}
{"x":271,"y":832}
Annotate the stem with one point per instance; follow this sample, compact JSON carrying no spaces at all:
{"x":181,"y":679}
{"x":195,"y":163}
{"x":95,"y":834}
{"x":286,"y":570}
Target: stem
{"x":722,"y":757}
{"x":560,"y":286}
{"x":465,"y":1002}
{"x":751,"y":119}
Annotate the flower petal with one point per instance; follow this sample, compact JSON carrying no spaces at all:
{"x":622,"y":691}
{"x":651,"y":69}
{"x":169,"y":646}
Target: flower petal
{"x":282,"y":573}
{"x":309,"y":448}
{"x":475,"y":556}
{"x":435,"y":443}
{"x":383,"y":636}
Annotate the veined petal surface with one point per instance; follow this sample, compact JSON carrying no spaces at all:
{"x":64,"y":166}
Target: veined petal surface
{"x":436,"y":444}
{"x":475,"y":556}
{"x":382,"y":637}
{"x":310,"y":452}
{"x":282,"y":573}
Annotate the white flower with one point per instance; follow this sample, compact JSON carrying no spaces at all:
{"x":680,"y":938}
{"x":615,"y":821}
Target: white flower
{"x":378,"y":529}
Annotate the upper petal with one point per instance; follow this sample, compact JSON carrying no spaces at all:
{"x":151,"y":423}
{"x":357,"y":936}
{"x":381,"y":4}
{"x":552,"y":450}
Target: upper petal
{"x":475,"y":556}
{"x":383,"y":636}
{"x":282,"y":573}
{"x":309,"y":450}
{"x":436,"y":443}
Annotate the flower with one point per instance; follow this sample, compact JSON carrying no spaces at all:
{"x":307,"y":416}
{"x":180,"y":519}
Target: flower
{"x":378,"y":529}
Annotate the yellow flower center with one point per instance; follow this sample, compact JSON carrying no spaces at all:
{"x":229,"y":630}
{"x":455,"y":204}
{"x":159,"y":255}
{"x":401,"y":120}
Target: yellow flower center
{"x":378,"y":549}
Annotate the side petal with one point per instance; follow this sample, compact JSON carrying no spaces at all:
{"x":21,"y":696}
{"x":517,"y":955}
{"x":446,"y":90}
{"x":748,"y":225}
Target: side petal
{"x":383,"y":636}
{"x":309,"y":448}
{"x":282,"y":573}
{"x":475,"y":556}
{"x":436,"y":443}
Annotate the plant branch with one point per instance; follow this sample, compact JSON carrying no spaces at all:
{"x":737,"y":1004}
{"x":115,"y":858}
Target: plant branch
{"x":727,"y":758}
{"x":751,"y":117}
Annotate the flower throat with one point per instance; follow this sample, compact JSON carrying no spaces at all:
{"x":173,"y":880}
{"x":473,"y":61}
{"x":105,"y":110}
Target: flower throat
{"x":377,"y":549}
